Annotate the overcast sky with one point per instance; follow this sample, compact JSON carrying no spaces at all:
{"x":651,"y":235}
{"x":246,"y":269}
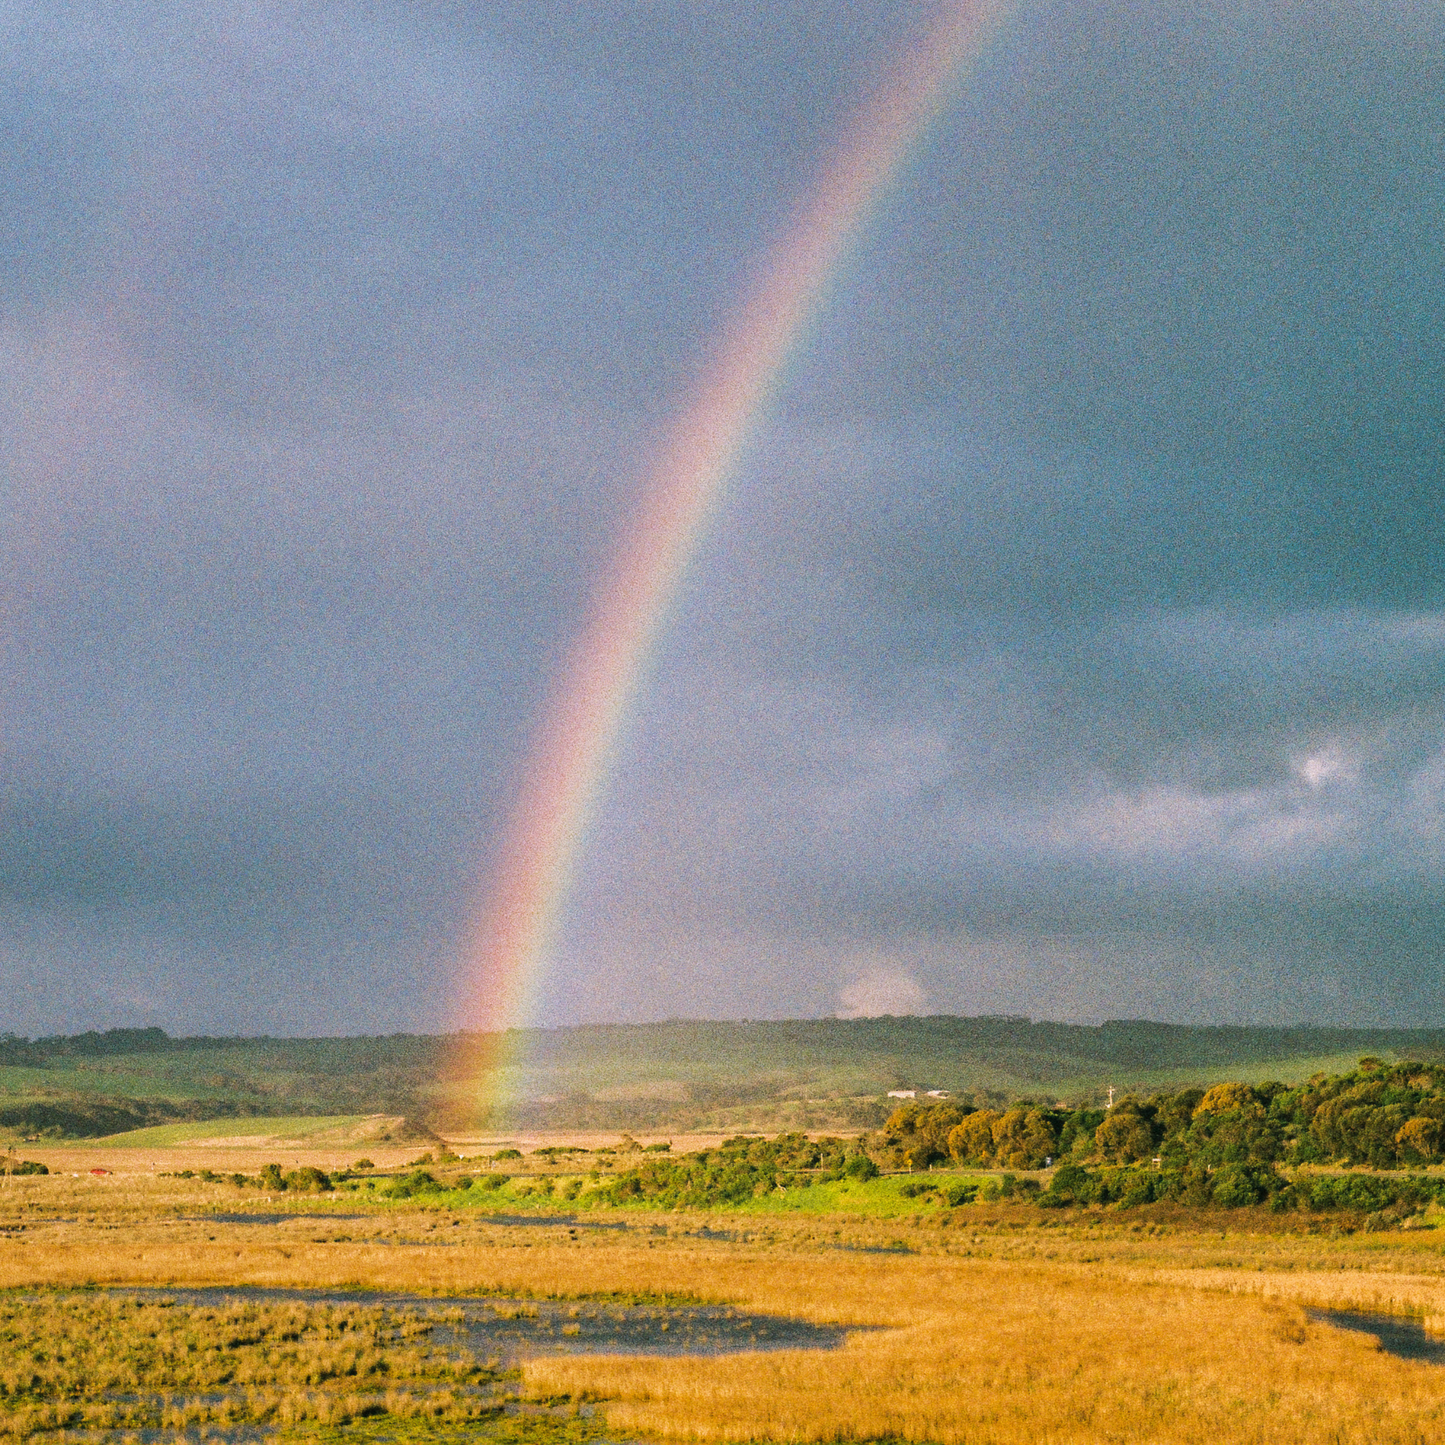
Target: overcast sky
{"x":1071,"y":641}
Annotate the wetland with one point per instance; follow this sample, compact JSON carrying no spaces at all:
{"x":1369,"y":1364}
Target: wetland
{"x":152,"y":1308}
{"x":923,"y":1283}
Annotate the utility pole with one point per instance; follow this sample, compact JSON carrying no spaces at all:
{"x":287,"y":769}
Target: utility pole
{"x":1111,"y":1096}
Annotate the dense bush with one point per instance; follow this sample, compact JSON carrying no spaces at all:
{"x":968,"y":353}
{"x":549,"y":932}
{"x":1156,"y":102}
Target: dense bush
{"x":1233,"y":1145}
{"x":741,"y":1168}
{"x":419,"y":1181}
{"x":1025,"y":1136}
{"x":308,"y":1180}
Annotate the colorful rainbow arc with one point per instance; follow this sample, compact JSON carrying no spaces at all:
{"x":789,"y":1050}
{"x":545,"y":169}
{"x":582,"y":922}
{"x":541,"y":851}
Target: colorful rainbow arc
{"x":569,"y":762}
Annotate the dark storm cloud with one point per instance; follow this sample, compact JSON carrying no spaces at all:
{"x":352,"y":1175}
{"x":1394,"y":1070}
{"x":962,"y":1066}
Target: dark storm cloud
{"x":1072,"y":641}
{"x":1236,"y":795}
{"x":1203,"y":231}
{"x":349,"y":201}
{"x":1120,"y":659}
{"x":331,"y":341}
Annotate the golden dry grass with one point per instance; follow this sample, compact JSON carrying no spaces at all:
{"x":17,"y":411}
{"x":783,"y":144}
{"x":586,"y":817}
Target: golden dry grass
{"x":92,"y":1361}
{"x":1012,"y":1355}
{"x":996,"y":1351}
{"x":1001,"y":1327}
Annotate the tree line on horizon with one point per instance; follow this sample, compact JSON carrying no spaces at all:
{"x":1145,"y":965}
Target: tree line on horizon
{"x":1231,"y":1145}
{"x":1228,"y":1144}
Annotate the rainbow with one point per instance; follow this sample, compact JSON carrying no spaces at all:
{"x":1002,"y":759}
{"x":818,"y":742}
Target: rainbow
{"x":572,"y":752}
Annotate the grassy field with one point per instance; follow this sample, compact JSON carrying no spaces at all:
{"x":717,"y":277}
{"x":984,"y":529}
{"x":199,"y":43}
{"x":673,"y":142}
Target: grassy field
{"x":259,"y":1131}
{"x":968,"y":1318}
{"x":819,"y":1074}
{"x":986,"y":1323}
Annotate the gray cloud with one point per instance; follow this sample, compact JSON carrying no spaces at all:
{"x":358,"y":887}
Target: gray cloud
{"x":1070,"y":642}
{"x":1235,"y":794}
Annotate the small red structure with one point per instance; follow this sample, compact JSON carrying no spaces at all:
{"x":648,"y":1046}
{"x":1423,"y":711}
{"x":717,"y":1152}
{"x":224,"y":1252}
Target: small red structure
{"x":100,"y":1171}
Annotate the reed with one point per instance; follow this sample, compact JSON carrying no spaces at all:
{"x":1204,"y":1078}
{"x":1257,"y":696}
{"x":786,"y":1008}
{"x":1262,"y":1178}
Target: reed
{"x":1008,"y":1355}
{"x":101,"y":1362}
{"x":995,"y":1327}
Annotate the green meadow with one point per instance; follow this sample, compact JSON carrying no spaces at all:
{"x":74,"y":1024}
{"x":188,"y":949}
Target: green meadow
{"x":829,"y":1075}
{"x":283,"y":1129}
{"x":887,"y":1197}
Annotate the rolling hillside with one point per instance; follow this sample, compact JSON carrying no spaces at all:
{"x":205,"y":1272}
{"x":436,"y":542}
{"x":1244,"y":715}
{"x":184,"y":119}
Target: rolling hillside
{"x":809,"y":1073}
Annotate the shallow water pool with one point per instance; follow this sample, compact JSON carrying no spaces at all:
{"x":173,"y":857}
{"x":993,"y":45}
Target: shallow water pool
{"x":1397,"y":1334}
{"x":509,"y":1329}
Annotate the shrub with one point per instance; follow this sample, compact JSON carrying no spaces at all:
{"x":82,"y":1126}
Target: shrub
{"x":860,"y":1167}
{"x":1138,"y":1190}
{"x":1007,"y":1186}
{"x":1071,"y":1184}
{"x":1237,"y":1186}
{"x":308,"y":1180}
{"x":1126,"y":1135}
{"x":417,"y":1182}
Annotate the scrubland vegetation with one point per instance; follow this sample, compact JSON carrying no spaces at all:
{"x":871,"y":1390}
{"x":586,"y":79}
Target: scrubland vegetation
{"x":1231,"y":1145}
{"x":1234,"y":1145}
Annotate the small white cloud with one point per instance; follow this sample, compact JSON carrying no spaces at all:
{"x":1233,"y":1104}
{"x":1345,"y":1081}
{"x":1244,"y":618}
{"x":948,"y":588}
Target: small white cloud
{"x":880,"y":991}
{"x":1329,"y":765}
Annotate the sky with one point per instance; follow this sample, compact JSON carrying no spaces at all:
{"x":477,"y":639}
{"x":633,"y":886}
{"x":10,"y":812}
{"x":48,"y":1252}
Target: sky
{"x":1069,"y":641}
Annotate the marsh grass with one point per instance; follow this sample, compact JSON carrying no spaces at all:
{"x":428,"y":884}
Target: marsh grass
{"x":992,"y":1324}
{"x":509,"y":1427}
{"x":93,"y":1361}
{"x":1034,"y":1356}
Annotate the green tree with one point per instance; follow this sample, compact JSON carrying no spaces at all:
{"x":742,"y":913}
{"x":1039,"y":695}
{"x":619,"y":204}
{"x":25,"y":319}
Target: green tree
{"x":918,"y":1133}
{"x":1418,"y":1140}
{"x":1023,"y":1139}
{"x":1126,"y":1135}
{"x":971,"y":1142}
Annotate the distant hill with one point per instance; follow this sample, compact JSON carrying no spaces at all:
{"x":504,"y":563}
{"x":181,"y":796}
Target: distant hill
{"x":797,"y":1073}
{"x":805,"y":1072}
